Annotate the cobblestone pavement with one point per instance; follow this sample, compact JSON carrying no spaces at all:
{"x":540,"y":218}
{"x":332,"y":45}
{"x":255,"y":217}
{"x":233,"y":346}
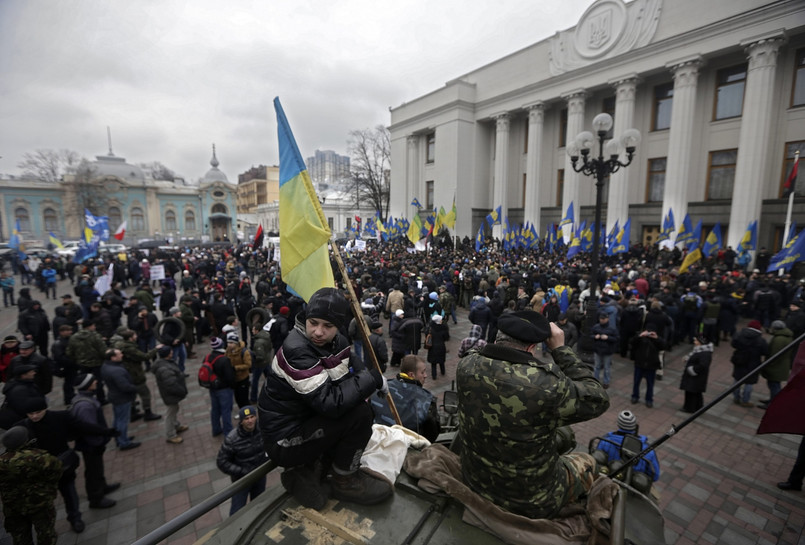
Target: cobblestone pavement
{"x":717,"y":486}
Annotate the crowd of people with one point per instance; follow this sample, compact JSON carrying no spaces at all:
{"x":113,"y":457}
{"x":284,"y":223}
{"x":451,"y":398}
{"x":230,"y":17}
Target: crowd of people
{"x":122,"y":319}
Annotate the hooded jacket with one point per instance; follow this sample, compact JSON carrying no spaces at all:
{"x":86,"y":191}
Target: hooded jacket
{"x":472,"y":342}
{"x":750,"y":347}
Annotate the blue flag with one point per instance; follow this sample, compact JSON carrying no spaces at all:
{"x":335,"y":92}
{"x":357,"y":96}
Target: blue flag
{"x":749,"y":240}
{"x":785,"y":258}
{"x":494,"y":217}
{"x":479,"y":238}
{"x":697,"y":236}
{"x":415,"y":202}
{"x":713,"y":241}
{"x":569,"y":216}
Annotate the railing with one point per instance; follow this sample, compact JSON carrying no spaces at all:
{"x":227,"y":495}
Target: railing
{"x":197,"y":511}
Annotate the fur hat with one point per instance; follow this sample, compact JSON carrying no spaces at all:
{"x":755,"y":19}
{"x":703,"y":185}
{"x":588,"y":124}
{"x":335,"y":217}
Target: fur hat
{"x":329,"y":304}
{"x":526,"y":326}
{"x":627,"y":421}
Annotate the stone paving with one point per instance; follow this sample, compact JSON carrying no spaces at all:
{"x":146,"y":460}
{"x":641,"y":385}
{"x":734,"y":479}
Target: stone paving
{"x":717,"y":485}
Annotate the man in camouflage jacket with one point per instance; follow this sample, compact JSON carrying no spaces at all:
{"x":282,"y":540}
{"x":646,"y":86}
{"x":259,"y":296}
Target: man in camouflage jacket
{"x":510,"y":407}
{"x":136,"y":363}
{"x":28,"y":484}
{"x":86,"y":348}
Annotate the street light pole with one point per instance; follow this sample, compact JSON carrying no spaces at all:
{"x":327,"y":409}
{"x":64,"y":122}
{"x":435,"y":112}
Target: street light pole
{"x":600,"y":167}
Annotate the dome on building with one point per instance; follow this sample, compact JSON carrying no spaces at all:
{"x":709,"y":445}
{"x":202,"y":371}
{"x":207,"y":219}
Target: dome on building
{"x":214,"y":174}
{"x":111,"y":165}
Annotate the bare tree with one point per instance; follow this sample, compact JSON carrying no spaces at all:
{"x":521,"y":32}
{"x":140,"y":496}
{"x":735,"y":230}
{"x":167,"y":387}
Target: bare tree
{"x":85,"y":191}
{"x":158,"y":171}
{"x":370,"y":167}
{"x":49,"y":165}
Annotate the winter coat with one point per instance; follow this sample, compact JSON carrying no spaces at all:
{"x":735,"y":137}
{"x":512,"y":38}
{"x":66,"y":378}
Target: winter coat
{"x":305,"y":381}
{"x":697,"y":369}
{"x":86,"y":408}
{"x":262,"y":349}
{"x":170,"y":381}
{"x":16,"y":394}
{"x":241,"y":359}
{"x":571,"y":333}
{"x":241,"y":452}
{"x":646,"y":351}
{"x":472,"y":342}
{"x":34,"y":322}
{"x":134,"y":359}
{"x":44,"y":370}
{"x":411,"y":331}
{"x":481,"y":315}
{"x":750,"y":347}
{"x":118,"y":381}
{"x":440,"y":334}
{"x":381,"y":352}
{"x":606,"y":346}
{"x":777,"y":371}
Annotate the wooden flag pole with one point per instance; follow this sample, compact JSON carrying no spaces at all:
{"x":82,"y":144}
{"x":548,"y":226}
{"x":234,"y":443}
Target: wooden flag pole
{"x":362,"y":327}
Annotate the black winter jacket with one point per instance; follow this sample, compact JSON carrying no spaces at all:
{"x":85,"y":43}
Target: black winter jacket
{"x":170,"y":381}
{"x":241,"y":452}
{"x":304,"y":381}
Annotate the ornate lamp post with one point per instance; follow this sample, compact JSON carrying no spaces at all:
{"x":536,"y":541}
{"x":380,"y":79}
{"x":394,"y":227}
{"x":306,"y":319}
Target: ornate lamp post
{"x":607,"y":162}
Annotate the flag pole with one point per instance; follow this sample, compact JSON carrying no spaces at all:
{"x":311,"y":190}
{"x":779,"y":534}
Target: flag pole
{"x":362,"y":327}
{"x":789,"y":210}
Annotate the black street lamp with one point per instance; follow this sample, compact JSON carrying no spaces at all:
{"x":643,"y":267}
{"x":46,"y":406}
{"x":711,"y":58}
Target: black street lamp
{"x":600,"y":167}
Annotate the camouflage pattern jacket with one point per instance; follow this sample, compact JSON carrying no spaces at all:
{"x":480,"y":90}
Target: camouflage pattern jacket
{"x":86,"y":348}
{"x":134,"y":359}
{"x":28,"y":479}
{"x":510,"y":405}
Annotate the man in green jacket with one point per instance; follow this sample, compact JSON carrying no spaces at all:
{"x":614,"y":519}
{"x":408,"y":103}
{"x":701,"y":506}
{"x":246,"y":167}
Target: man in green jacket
{"x":511,"y":405}
{"x":135,"y":361}
{"x":86,"y":348}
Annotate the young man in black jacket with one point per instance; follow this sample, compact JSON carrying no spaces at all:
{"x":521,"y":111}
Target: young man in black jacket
{"x":222,"y":395}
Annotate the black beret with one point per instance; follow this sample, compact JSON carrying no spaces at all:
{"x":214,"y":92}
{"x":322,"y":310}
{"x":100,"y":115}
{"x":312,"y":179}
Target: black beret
{"x":526,"y":326}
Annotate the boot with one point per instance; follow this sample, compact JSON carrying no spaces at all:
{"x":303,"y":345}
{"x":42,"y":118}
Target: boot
{"x":135,"y":416}
{"x":362,"y":486}
{"x":149,"y":416}
{"x":304,"y":484}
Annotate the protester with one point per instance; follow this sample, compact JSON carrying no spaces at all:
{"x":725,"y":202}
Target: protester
{"x":242,"y":452}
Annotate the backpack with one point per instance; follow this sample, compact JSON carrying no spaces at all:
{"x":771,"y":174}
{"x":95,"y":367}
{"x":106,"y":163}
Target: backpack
{"x":206,"y":375}
{"x":689,"y":303}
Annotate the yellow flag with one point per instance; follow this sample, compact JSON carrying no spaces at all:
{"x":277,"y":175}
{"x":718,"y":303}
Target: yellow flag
{"x":690,"y":259}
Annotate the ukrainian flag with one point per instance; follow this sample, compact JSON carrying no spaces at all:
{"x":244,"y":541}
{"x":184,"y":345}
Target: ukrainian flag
{"x":493,"y":218}
{"x":749,"y":240}
{"x":55,"y":241}
{"x":415,"y":229}
{"x":450,"y":220}
{"x":304,"y":232}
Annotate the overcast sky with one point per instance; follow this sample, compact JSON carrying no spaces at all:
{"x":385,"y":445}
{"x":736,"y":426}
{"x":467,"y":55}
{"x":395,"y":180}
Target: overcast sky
{"x":170,"y":77}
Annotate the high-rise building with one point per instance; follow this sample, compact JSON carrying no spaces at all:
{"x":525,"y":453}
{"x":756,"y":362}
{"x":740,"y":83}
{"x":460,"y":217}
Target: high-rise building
{"x":258,"y":185}
{"x":327,"y":168}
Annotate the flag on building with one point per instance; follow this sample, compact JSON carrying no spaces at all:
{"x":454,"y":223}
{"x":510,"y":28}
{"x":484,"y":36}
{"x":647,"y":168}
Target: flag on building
{"x":415,"y":202}
{"x":494,"y":217}
{"x":569,"y":218}
{"x":304,"y":231}
{"x":791,"y":182}
{"x":121,"y":231}
{"x":713,"y":241}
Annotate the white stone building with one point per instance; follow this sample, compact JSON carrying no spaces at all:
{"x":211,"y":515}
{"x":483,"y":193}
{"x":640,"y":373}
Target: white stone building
{"x":717,"y":90}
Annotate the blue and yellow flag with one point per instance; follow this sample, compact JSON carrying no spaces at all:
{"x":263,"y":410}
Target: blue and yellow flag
{"x":713,"y":241}
{"x":785,"y":258}
{"x":685,"y":233}
{"x":54,"y":240}
{"x":479,"y":238}
{"x":415,"y":202}
{"x":304,"y":231}
{"x":792,"y":234}
{"x":494,"y":217}
{"x":450,"y":220}
{"x":696,"y":238}
{"x":749,"y":240}
{"x":613,"y":234}
{"x":415,"y":229}
{"x":15,"y":241}
{"x":587,"y":238}
{"x":575,"y":246}
{"x":622,"y":240}
{"x":668,"y":226}
{"x":569,"y":218}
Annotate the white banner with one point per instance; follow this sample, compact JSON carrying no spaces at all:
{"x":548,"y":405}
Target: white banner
{"x":157,"y":272}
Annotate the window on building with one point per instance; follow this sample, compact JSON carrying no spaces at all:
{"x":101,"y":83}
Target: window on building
{"x":798,"y":92}
{"x":730,"y":83}
{"x":524,"y":184}
{"x":525,"y":136}
{"x":219,"y":209}
{"x":655,"y":185}
{"x":190,"y":220}
{"x":429,"y":194}
{"x":137,"y":219}
{"x":790,"y":149}
{"x":349,"y":223}
{"x":330,"y":223}
{"x":663,"y":101}
{"x":115,"y":218}
{"x":170,"y":220}
{"x":608,"y":107}
{"x":721,"y":174}
{"x":22,"y":218}
{"x":560,"y":186}
{"x":430,"y":152}
{"x":51,"y":220}
{"x":563,"y":128}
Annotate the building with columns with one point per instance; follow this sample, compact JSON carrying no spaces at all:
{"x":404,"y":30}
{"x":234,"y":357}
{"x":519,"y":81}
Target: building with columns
{"x":201,"y":210}
{"x":717,"y":90}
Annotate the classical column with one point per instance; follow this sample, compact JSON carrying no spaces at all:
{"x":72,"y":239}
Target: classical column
{"x":536,"y":127}
{"x":575,"y":125}
{"x":411,"y":173}
{"x":677,"y":173}
{"x":755,"y":138}
{"x":500,"y":193}
{"x":618,"y":201}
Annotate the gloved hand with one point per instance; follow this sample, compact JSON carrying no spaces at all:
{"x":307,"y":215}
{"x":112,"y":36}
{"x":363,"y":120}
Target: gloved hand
{"x":384,"y":389}
{"x":113,"y":432}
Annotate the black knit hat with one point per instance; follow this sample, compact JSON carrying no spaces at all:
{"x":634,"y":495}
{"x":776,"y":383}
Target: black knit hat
{"x":526,"y":326}
{"x":328,"y":304}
